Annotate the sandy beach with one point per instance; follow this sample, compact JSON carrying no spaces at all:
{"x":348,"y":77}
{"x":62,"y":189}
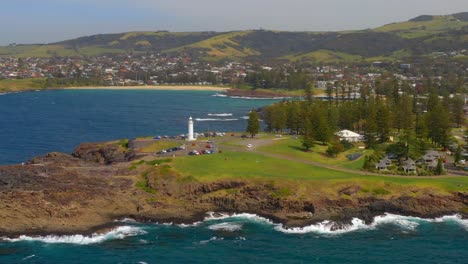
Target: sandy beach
{"x":154,"y":87}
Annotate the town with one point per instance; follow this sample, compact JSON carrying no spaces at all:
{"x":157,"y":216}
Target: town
{"x":162,"y":69}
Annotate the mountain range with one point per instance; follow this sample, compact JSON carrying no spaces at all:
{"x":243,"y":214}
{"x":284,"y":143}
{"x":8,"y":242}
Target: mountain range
{"x":419,"y":36}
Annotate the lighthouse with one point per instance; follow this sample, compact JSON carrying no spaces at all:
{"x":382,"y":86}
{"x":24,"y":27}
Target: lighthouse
{"x":190,"y":136}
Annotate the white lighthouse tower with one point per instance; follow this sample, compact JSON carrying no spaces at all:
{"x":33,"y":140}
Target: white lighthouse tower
{"x":190,"y":136}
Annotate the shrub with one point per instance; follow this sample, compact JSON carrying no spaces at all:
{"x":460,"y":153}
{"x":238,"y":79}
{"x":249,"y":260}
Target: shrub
{"x":335,"y":149}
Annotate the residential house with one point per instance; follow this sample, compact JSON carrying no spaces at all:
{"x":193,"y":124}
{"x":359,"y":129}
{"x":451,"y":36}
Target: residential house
{"x":408,"y":165}
{"x":349,"y":136}
{"x":383,"y":164}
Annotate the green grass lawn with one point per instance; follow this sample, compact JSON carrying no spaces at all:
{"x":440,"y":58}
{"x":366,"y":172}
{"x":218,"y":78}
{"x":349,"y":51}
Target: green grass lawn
{"x":160,"y":145}
{"x":251,"y":165}
{"x":292,"y":148}
{"x":242,"y":165}
{"x":17,"y":85}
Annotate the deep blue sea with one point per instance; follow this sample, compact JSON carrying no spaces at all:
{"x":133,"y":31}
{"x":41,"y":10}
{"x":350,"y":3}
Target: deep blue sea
{"x":35,"y":123}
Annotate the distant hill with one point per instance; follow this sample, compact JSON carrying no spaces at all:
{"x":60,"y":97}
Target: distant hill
{"x":418,"y":36}
{"x":426,"y":25}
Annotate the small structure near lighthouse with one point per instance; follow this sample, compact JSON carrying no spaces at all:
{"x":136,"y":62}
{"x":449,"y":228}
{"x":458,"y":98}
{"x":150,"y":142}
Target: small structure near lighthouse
{"x":190,"y":136}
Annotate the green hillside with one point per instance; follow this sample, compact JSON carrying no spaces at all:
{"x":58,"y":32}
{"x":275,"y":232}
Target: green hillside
{"x":426,"y":25}
{"x":223,"y":46}
{"x":419,"y":36}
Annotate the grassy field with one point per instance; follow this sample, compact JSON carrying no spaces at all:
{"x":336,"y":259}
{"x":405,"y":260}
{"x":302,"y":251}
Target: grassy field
{"x":222,"y":46}
{"x":292,"y":148}
{"x":411,"y":29}
{"x":17,"y":85}
{"x":159,"y":145}
{"x":24,"y":51}
{"x":257,"y":167}
{"x":324,"y":56}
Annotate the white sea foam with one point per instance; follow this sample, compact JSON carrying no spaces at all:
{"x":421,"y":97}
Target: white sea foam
{"x":222,"y":114}
{"x":226,"y":227}
{"x":29,"y":257}
{"x":118,"y":233}
{"x":126,"y":220}
{"x":325,"y":227}
{"x":331,"y":228}
{"x":251,"y":217}
{"x":405,"y":222}
{"x":215,"y":119}
{"x":189,"y":225}
{"x":251,"y":98}
{"x":259,"y":98}
{"x":203,"y":242}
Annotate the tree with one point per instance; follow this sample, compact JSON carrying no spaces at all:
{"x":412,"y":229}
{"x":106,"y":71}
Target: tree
{"x":438,"y":123}
{"x":309,"y":92}
{"x":383,"y":122}
{"x":308,"y":140}
{"x":440,"y":167}
{"x":458,"y":155}
{"x":334,"y":149}
{"x":253,"y":124}
{"x":457,"y":111}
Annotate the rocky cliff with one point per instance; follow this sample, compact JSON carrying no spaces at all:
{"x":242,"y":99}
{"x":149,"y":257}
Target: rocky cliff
{"x":87,"y":191}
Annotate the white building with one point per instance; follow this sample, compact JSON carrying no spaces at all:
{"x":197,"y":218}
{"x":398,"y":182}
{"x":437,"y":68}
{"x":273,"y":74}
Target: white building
{"x":349,"y":136}
{"x":190,"y":135}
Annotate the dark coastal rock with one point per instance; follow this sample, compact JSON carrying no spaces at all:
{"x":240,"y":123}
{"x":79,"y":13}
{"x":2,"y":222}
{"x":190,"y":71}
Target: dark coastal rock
{"x":103,"y":153}
{"x":350,"y":190}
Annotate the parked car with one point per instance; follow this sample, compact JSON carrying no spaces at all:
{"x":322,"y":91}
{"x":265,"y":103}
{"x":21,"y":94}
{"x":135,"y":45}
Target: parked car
{"x":194,"y":153}
{"x":157,"y":137}
{"x":249,"y":145}
{"x":161,"y":152}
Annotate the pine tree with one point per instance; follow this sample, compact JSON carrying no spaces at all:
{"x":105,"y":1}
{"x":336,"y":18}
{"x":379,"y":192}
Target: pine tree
{"x":440,"y":167}
{"x":383,"y":122}
{"x":308,"y":140}
{"x":253,"y":124}
{"x":457,"y":111}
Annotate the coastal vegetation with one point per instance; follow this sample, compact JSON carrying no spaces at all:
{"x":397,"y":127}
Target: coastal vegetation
{"x":18,"y":85}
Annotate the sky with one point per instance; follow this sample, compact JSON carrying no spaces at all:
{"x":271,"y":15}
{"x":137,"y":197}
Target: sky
{"x":46,"y":21}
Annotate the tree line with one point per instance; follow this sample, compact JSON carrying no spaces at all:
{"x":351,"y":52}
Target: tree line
{"x":415,"y":120}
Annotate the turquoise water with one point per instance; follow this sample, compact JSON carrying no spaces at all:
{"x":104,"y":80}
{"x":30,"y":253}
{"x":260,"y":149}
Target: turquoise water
{"x":248,"y":239}
{"x":38,"y":122}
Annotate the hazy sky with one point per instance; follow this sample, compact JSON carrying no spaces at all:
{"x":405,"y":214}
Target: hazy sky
{"x":43,"y":21}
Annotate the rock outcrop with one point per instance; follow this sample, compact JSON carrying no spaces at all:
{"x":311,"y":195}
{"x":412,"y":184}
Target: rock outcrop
{"x":88,"y":190}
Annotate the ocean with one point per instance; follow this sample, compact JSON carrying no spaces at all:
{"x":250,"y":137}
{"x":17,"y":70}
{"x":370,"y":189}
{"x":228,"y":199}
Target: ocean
{"x":35,"y":123}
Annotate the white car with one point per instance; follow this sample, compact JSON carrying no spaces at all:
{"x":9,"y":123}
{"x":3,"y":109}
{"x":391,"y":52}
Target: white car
{"x":249,"y":145}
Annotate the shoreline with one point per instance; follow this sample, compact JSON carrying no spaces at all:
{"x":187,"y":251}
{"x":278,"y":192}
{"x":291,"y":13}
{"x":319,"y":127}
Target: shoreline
{"x":151,"y":87}
{"x":338,"y":225}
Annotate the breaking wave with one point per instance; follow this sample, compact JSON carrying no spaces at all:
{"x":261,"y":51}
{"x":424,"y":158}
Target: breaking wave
{"x":219,"y":95}
{"x":223,"y":114}
{"x":252,"y":98}
{"x":226,"y":227}
{"x":118,"y":233}
{"x":259,"y":98}
{"x":216,"y":119}
{"x":334,"y":228}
